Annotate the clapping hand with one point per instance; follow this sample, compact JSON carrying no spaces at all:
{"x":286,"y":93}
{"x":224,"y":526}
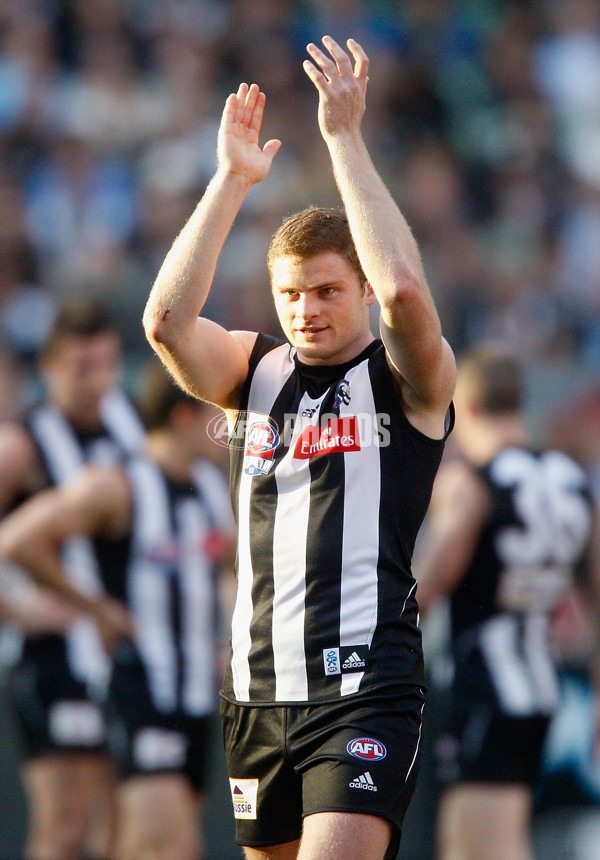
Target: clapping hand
{"x":342,"y":86}
{"x":238,"y":149}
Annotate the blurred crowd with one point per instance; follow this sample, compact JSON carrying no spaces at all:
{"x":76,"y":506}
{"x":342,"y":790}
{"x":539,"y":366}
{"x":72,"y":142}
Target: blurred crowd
{"x":484,"y":119}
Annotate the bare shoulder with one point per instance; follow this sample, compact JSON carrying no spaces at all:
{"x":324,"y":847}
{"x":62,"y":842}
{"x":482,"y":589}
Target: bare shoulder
{"x":16,"y":446}
{"x":246,"y":339}
{"x":19,"y":463}
{"x":211,"y":363}
{"x":458,"y":488}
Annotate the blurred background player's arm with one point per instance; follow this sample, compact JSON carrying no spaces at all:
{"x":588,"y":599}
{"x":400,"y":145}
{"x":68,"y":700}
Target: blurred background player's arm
{"x":459,"y":506}
{"x":19,"y":466}
{"x":93,"y":504}
{"x":32,"y":609}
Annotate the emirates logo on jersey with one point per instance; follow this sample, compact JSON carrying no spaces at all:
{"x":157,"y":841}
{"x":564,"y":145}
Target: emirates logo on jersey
{"x":338,"y":435}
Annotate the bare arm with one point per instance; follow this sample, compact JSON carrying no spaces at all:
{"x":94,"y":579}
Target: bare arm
{"x":459,"y":504}
{"x":207,"y":360}
{"x":410,"y":326}
{"x":19,"y":465}
{"x":35,"y":611}
{"x":96,"y":503}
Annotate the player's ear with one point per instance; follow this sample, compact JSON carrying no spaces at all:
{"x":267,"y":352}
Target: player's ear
{"x":370,"y":296}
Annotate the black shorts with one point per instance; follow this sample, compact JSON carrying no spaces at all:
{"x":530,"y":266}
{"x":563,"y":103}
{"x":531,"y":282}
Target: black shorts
{"x":483,"y":744}
{"x":54,"y":711}
{"x":145,"y":741}
{"x":358,"y":755}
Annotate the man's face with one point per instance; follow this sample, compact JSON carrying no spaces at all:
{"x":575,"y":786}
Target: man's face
{"x":80,"y":372}
{"x":322,"y":307}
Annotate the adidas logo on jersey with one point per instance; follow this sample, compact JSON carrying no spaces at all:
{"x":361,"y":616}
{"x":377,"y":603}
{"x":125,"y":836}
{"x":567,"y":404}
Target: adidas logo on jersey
{"x":365,"y":782}
{"x":354,"y":662}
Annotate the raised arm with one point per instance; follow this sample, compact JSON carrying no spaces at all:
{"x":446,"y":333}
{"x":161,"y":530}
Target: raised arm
{"x":96,"y":503}
{"x":207,"y":360}
{"x":420,"y":358}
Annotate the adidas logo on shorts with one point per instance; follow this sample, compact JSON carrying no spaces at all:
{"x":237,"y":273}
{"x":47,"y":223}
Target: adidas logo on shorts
{"x":364,"y":781}
{"x":354,"y":662}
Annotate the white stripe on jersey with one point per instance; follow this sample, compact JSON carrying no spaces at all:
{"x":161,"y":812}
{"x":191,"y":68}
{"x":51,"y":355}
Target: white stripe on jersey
{"x":543,"y":672}
{"x":290,"y":537}
{"x":148,"y":592}
{"x":62,"y":452}
{"x":242,"y":614}
{"x":524,"y":680}
{"x":499,"y":641}
{"x":197,"y":608}
{"x":122,"y":421}
{"x":270,"y":375}
{"x":86,"y":655}
{"x":360,"y":550}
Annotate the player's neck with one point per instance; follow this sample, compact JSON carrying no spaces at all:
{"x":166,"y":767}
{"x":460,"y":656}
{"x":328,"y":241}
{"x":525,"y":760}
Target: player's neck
{"x":86,"y":421}
{"x":491,"y":435}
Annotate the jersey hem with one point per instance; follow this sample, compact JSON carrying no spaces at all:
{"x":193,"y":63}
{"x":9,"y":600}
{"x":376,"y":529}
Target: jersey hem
{"x":401,"y":689}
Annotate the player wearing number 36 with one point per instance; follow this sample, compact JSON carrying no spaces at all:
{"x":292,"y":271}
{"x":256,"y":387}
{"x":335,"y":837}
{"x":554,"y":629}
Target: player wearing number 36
{"x":506,"y":530}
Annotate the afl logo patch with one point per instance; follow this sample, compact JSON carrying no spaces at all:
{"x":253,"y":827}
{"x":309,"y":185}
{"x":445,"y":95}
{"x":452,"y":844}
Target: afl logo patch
{"x":262,"y":438}
{"x":261,"y":441}
{"x":366,"y":749}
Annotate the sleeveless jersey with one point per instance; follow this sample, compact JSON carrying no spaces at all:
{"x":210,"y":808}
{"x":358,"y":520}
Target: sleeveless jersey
{"x":63,"y":452}
{"x":168,"y":582}
{"x":535,"y":537}
{"x":330,"y":483}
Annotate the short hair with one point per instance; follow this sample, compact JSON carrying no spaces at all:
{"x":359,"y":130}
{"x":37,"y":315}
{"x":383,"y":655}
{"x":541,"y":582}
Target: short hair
{"x":494,"y":379}
{"x":79,"y":318}
{"x":312,"y":231}
{"x":160,"y":395}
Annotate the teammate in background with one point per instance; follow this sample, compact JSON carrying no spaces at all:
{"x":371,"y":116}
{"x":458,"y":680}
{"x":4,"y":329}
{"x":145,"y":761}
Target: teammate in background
{"x":67,"y":774}
{"x":506,"y":528}
{"x":336,"y":438}
{"x":167,"y":517}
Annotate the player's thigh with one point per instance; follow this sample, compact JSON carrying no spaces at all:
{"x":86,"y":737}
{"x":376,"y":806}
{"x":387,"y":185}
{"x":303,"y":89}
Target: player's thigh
{"x":68,"y":781}
{"x":344,"y":836}
{"x":485,"y":820}
{"x":286,"y":851}
{"x":266,"y":791}
{"x":362,"y":760}
{"x":159,"y":817}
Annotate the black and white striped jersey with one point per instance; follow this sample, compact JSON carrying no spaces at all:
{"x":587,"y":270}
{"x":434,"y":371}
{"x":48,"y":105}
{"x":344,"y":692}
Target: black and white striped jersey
{"x":330,"y":484}
{"x":169,"y":581}
{"x":63,"y":451}
{"x":525,"y":559}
